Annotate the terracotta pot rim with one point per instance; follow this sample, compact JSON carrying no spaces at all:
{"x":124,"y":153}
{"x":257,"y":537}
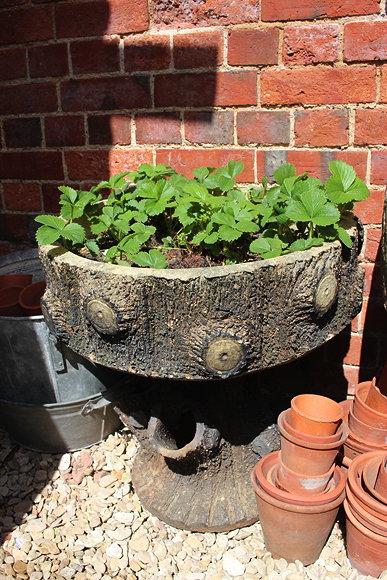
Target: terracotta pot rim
{"x":368,"y":483}
{"x":359,"y":391}
{"x":14,"y":291}
{"x":308,"y":437}
{"x":355,"y":522}
{"x":296,"y":507}
{"x":308,"y":444}
{"x":364,"y":443}
{"x":355,"y":472}
{"x":291,"y":498}
{"x":305,"y":476}
{"x":353,"y":419}
{"x":334,"y":418}
{"x":357,"y":506}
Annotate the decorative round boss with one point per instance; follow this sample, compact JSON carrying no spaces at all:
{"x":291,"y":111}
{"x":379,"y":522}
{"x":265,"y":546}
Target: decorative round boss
{"x":101,"y":315}
{"x":223,"y":354}
{"x":326,"y":293}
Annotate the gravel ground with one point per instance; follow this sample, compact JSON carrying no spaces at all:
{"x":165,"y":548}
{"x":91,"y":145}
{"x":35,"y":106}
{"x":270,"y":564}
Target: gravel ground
{"x":76,"y":516}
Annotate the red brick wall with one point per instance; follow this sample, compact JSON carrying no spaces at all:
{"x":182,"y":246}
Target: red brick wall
{"x":92,"y":87}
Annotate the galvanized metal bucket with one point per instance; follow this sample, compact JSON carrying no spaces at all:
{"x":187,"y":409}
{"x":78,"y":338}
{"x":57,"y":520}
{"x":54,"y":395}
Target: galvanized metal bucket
{"x":51,"y":399}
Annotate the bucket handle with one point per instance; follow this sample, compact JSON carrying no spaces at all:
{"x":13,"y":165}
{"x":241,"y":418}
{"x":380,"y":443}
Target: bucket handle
{"x":91,"y":406}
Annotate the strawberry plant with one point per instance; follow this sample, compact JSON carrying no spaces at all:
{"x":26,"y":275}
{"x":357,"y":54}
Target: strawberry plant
{"x":154,"y":213}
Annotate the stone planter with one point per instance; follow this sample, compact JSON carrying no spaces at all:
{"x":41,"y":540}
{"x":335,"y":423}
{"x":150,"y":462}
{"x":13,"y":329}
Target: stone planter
{"x":201,"y":323}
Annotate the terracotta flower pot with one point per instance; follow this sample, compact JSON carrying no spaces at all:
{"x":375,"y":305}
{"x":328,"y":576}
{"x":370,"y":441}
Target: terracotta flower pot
{"x":15,"y":280}
{"x":375,"y":478}
{"x":366,"y":550}
{"x":367,"y":519}
{"x":266,"y":473}
{"x":355,"y":446}
{"x":9,"y":301}
{"x":364,"y":432}
{"x":375,"y":399}
{"x":300,"y":484}
{"x":296,"y":531}
{"x":381,"y":480}
{"x":307,"y":457}
{"x":363,"y":412}
{"x":346,"y":405}
{"x":307,"y":436}
{"x":29,"y":298}
{"x":355,"y":484}
{"x":315,"y":414}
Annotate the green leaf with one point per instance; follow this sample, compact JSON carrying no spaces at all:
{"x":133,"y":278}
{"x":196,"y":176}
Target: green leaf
{"x":228,"y":233}
{"x":198,"y":238}
{"x":201,"y":173}
{"x":92,"y":246}
{"x":46,"y":235}
{"x":235,"y":168}
{"x":151,"y":259}
{"x":212,"y":238}
{"x":358,"y":191}
{"x":313,"y":207}
{"x":344,"y":237}
{"x":300,"y":245}
{"x":129,"y":245}
{"x":69,"y":194}
{"x":74,"y":232}
{"x":247,"y":226}
{"x":284,"y":171}
{"x":343,"y":173}
{"x":224,"y":218}
{"x":52,"y":221}
{"x":267,"y":247}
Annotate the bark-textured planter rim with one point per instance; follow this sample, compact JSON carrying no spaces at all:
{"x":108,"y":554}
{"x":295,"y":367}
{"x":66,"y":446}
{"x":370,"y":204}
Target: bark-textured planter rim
{"x":201,"y":323}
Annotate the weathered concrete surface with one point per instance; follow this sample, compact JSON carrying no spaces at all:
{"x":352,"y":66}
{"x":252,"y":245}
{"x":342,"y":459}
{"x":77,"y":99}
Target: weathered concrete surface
{"x":202,"y":323}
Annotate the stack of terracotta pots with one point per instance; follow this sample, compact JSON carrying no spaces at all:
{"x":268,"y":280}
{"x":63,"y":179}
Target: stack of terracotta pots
{"x":19,"y":296}
{"x":299,"y":489}
{"x":367,"y":421}
{"x":366,"y":513}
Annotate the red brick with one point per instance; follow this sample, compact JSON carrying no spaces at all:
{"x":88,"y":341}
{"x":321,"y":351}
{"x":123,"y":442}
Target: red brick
{"x":365,"y":41}
{"x":100,"y":164}
{"x":198,"y":50}
{"x":372,"y":244}
{"x":12,"y":3}
{"x":353,"y":354}
{"x":147,"y":53}
{"x":204,"y":13}
{"x":209,"y":126}
{"x":318,"y":86}
{"x":82,"y":19}
{"x":313,"y":161}
{"x":206,"y":89}
{"x":14,"y":227}
{"x":22,"y":196}
{"x":263,"y":127}
{"x":13,"y":63}
{"x":50,"y":195}
{"x":158,"y":128}
{"x":186,"y":160}
{"x":374,"y":316}
{"x":371,"y":127}
{"x":24,"y":132}
{"x":383,"y":84}
{"x":370,"y":211}
{"x":352,"y":376}
{"x":26,"y":25}
{"x":322,"y":128}
{"x":64,"y":130}
{"x":31,"y":165}
{"x":378,"y":167}
{"x":105,"y":93}
{"x":28,"y":98}
{"x":94,"y":56}
{"x":372,"y":280}
{"x":253,"y":47}
{"x":311,"y":44}
{"x":109,"y":129}
{"x":272,"y":10}
{"x":48,"y":61}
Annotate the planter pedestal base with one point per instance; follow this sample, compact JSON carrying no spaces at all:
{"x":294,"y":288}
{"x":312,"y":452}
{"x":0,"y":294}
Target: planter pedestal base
{"x":199,"y":443}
